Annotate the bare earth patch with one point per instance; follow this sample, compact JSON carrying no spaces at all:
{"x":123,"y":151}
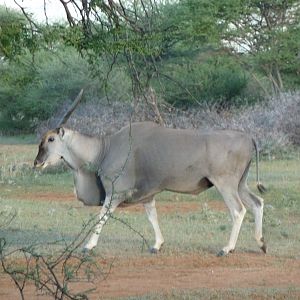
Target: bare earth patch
{"x":139,"y":276}
{"x":45,"y":196}
{"x":162,"y":206}
{"x":142,"y":276}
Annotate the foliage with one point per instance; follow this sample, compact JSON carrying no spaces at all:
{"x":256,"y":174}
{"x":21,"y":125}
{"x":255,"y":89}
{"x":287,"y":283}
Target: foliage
{"x":12,"y":32}
{"x":30,"y":93}
{"x":182,"y":52}
{"x":216,"y":80}
{"x":163,"y":50}
{"x":268,"y":31}
{"x":146,"y":34}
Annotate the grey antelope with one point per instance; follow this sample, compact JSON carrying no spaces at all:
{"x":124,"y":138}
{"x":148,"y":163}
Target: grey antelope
{"x":143,"y":159}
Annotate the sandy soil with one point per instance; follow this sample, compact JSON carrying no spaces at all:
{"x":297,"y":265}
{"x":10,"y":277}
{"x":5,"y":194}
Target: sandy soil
{"x":163,"y":207}
{"x":138,"y":276}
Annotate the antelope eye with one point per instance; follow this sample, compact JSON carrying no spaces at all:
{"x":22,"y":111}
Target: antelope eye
{"x":51,"y":139}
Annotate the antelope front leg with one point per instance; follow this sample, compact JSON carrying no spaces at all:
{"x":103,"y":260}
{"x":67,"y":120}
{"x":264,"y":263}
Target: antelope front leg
{"x":108,"y":208}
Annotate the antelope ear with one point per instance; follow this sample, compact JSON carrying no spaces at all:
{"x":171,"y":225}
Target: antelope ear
{"x":60,"y":131}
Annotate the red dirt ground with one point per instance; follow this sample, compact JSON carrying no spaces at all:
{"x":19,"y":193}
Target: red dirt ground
{"x":161,"y":273}
{"x":163,"y":207}
{"x":138,"y":276}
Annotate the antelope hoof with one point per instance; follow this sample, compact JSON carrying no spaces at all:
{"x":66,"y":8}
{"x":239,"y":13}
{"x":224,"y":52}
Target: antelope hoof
{"x":154,"y":250}
{"x":222,"y":253}
{"x":86,"y":251}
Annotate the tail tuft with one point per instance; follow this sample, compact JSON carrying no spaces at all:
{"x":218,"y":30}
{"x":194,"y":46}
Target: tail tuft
{"x":261,"y":188}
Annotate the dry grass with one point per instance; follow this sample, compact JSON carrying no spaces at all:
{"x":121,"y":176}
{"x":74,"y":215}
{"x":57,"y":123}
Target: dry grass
{"x":274,"y":124}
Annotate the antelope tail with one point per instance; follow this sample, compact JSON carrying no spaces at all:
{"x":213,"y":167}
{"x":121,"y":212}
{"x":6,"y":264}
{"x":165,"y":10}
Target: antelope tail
{"x":259,"y":185}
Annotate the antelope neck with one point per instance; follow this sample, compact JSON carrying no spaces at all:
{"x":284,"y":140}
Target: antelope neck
{"x":90,"y":154}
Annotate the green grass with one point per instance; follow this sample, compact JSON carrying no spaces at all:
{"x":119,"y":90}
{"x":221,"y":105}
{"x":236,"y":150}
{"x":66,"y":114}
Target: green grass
{"x":19,"y":139}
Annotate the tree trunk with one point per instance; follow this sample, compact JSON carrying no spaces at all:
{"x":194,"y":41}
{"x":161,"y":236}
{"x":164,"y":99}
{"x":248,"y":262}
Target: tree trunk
{"x":152,"y":100}
{"x":278,"y":77}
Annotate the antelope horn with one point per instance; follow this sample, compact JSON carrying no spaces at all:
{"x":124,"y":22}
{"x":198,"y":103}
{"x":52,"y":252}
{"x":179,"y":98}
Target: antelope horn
{"x":70,"y":110}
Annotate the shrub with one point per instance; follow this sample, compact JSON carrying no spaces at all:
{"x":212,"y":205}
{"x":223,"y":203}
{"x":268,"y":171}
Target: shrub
{"x":31,"y":92}
{"x":219,"y":81}
{"x":275,"y":125}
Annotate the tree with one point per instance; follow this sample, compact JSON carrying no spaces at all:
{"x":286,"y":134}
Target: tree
{"x":143,"y":35}
{"x":266,"y":33}
{"x":179,"y":46}
{"x":12,"y":32}
{"x":17,"y":34}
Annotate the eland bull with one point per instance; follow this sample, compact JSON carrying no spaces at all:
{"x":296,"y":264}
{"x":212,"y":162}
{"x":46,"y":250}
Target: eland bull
{"x":143,"y":159}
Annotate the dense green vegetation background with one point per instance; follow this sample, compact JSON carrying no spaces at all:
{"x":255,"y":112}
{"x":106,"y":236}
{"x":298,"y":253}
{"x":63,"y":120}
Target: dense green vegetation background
{"x":221,"y":53}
